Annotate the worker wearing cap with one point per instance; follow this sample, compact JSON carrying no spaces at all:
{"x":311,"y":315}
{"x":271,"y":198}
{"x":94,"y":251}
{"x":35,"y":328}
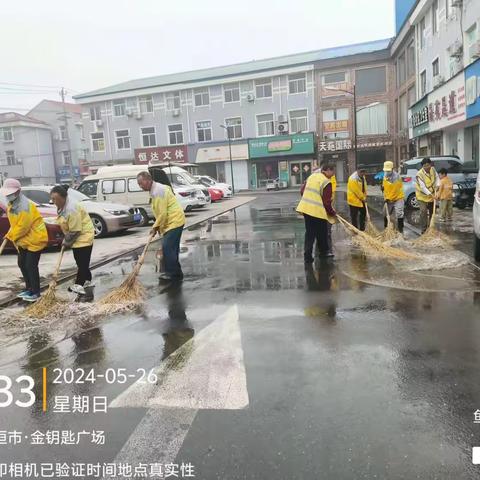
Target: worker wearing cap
{"x":393,"y":194}
{"x":426,"y":184}
{"x":28,"y":233}
{"x":356,"y":198}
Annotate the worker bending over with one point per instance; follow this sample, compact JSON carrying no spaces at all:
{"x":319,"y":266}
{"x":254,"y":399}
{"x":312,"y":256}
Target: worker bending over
{"x":357,"y":197}
{"x":393,"y":195}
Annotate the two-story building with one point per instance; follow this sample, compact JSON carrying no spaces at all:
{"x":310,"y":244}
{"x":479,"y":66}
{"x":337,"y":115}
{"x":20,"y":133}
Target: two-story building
{"x":26,"y":150}
{"x":447,"y":37}
{"x":70,"y":147}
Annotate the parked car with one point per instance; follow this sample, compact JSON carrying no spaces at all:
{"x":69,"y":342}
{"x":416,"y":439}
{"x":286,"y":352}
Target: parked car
{"x":476,"y":222}
{"x":211,"y":182}
{"x":275,"y":184}
{"x":106,"y":217}
{"x":49,"y":214}
{"x":215,"y":194}
{"x":452,"y":164}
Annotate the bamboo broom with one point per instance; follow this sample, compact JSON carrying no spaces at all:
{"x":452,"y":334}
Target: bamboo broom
{"x":43,"y":307}
{"x":389,"y":233}
{"x":130,"y":293}
{"x":432,"y":235}
{"x":372,"y":246}
{"x":370,"y":228}
{"x":3,"y":245}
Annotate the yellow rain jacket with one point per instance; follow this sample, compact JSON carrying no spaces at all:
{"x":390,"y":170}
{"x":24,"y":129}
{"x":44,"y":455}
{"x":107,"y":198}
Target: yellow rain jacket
{"x":333,"y":181}
{"x":74,"y":218}
{"x":445,"y":192}
{"x":356,"y":195}
{"x":27,"y":227}
{"x":426,"y":184}
{"x":393,"y":188}
{"x":312,"y":202}
{"x":166,"y":208}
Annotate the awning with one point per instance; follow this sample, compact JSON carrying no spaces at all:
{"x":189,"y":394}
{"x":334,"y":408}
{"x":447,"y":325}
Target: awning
{"x":221,"y":153}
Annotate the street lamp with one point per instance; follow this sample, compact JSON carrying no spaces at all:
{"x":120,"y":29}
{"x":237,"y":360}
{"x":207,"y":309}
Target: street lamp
{"x":230,"y":152}
{"x":355,"y":111}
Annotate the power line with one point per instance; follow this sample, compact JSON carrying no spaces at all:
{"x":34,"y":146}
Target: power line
{"x":55,"y":87}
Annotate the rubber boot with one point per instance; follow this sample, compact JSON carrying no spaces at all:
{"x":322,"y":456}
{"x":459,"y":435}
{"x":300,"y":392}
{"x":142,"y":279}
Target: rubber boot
{"x":400,"y":225}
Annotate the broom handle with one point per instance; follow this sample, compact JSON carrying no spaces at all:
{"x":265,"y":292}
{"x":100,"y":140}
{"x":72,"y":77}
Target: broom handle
{"x":367,"y":212}
{"x":389,"y":220}
{"x":432,"y":220}
{"x":3,"y":245}
{"x":57,"y":267}
{"x":144,"y":253}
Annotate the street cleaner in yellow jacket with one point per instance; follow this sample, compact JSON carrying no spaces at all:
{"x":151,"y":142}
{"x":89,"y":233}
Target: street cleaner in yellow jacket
{"x":79,"y":233}
{"x":426,"y":185}
{"x":169,"y":221}
{"x":356,"y":198}
{"x":393,"y":195}
{"x":28,"y":233}
{"x":318,"y":212}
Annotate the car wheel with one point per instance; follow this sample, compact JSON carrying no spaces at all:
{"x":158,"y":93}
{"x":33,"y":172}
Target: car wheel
{"x":461,"y":205}
{"x":412,"y":201}
{"x":476,"y":248}
{"x":145,"y":220}
{"x":99,"y":226}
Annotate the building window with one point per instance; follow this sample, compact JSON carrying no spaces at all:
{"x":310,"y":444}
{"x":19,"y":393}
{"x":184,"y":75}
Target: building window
{"x":173,"y":101}
{"x":146,"y":104}
{"x":119,"y":109}
{"x":231,"y":92}
{"x":412,"y":97}
{"x":175,"y":134}
{"x":371,"y":80}
{"x":423,"y":83}
{"x":471,"y":39}
{"x":411,"y":60}
{"x":435,"y":17}
{"x":81,"y":132}
{"x":448,"y":8}
{"x":339,"y":77}
{"x":95,"y":113}
{"x":234,"y":127}
{"x":297,"y":83}
{"x":373,"y":120}
{"x":66,"y":157}
{"x":265,"y":125}
{"x":298,"y":121}
{"x":403,"y":112}
{"x":63,"y":132}
{"x":421,"y":33}
{"x":335,"y":123}
{"x":263,"y":88}
{"x":7,"y":134}
{"x":149,"y":139}
{"x":98,"y":142}
{"x":435,"y":68}
{"x":401,"y":68}
{"x":11,"y":159}
{"x":202,"y":97}
{"x":123,"y":139}
{"x":204,"y":131}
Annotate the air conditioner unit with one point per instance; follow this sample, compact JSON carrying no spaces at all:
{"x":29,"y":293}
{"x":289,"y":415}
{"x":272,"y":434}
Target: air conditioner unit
{"x":456,"y":50}
{"x":438,"y":80}
{"x":99,"y":123}
{"x":78,"y":124}
{"x":19,"y":161}
{"x":129,"y":112}
{"x":457,"y":3}
{"x":250,"y":98}
{"x":176,"y":112}
{"x":282,"y":128}
{"x":474,"y":50}
{"x":139,"y":116}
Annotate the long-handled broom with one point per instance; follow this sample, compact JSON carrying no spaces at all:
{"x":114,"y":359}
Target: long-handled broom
{"x":389,"y":233}
{"x":43,"y":307}
{"x":372,"y":246}
{"x":432,"y":235}
{"x":370,"y":228}
{"x":130,"y":293}
{"x":3,"y":245}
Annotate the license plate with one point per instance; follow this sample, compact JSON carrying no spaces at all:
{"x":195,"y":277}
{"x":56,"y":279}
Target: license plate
{"x":137,"y":217}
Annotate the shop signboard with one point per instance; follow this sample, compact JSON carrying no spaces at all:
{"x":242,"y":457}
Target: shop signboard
{"x":446,"y":105}
{"x":298,"y":144}
{"x":418,"y":114}
{"x":175,"y":153}
{"x":64,"y":173}
{"x":472,"y":89}
{"x":335,"y":126}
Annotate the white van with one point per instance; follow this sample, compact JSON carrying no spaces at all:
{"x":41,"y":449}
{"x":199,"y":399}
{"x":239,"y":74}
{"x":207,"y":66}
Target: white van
{"x":118,"y":183}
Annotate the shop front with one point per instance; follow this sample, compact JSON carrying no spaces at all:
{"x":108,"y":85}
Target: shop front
{"x":288,"y":158}
{"x":215,"y":162}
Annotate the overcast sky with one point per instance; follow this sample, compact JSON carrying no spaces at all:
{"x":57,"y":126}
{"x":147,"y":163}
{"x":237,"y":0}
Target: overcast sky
{"x":95,"y":43}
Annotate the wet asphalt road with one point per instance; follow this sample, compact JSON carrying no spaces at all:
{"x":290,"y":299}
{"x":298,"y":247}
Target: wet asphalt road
{"x":353,"y":369}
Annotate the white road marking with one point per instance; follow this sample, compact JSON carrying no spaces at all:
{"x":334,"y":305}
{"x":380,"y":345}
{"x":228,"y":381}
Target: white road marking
{"x":207,"y":372}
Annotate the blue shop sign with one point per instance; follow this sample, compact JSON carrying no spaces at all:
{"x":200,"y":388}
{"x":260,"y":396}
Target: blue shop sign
{"x":472,"y":89}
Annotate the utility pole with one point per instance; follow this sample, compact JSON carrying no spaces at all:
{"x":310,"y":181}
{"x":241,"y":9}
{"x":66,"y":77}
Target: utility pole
{"x":356,"y":129}
{"x":65,"y":122}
